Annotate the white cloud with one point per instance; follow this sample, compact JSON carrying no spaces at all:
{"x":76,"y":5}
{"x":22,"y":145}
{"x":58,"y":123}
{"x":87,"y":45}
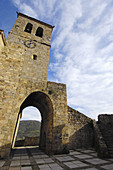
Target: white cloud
{"x":31,"y":113}
{"x":25,"y":7}
{"x":82,"y":48}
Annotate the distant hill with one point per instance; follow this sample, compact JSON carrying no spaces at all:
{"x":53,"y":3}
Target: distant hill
{"x":29,"y":128}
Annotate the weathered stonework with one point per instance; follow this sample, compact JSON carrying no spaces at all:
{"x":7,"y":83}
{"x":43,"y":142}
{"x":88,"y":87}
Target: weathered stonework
{"x":28,"y":141}
{"x":80,"y":130}
{"x":103,"y":129}
{"x":24,"y":62}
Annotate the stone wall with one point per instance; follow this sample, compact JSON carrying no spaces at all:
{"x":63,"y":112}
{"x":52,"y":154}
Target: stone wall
{"x":28,"y":141}
{"x":99,"y":142}
{"x":80,"y":130}
{"x":105,"y":125}
{"x":58,"y":96}
{"x":105,"y":120}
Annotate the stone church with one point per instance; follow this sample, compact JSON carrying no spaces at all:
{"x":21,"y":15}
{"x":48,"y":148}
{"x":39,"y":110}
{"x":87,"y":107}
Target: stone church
{"x":24,"y":58}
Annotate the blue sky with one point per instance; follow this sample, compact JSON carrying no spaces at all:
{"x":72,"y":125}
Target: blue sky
{"x":82,"y":47}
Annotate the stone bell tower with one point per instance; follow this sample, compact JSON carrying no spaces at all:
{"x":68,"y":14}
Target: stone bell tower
{"x":30,"y":39}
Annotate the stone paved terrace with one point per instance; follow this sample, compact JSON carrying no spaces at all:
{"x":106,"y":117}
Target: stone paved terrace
{"x":33,"y":158}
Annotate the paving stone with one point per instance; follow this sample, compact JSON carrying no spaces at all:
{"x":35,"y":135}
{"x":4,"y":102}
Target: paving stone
{"x":55,"y":166}
{"x":65,"y":158}
{"x":40,"y":161}
{"x":16,"y":155}
{"x":16,"y":158}
{"x":24,"y":157}
{"x":71,"y":165}
{"x":39,"y":153}
{"x":15,"y":163}
{"x":46,"y":167}
{"x":75,"y":164}
{"x":88,"y":151}
{"x":74,"y":153}
{"x":26,"y":168}
{"x":15,"y":168}
{"x":61,"y":155}
{"x":2,"y":163}
{"x":71,"y":161}
{"x":80,"y":164}
{"x":96,"y":161}
{"x":48,"y":160}
{"x":94,"y":154}
{"x":82,"y":156}
{"x":25,"y":162}
{"x":91,"y":168}
{"x":109,"y":167}
{"x":41,"y":156}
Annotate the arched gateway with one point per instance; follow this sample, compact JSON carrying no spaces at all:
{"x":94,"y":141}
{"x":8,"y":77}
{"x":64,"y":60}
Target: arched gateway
{"x":42,"y":102}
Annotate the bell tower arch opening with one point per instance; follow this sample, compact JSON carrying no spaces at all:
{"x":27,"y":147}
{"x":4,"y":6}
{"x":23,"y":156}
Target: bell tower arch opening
{"x":42,"y":102}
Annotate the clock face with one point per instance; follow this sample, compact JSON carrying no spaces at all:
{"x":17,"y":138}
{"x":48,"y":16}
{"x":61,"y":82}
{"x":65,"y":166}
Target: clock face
{"x":16,"y":26}
{"x":30,"y":44}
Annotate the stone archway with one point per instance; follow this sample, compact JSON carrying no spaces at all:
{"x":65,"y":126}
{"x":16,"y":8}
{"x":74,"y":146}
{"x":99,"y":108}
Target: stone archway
{"x":42,"y":102}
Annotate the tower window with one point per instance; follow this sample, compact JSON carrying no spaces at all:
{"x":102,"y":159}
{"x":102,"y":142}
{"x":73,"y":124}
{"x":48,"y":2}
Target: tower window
{"x":34,"y":57}
{"x":39,"y":32}
{"x":28,"y":28}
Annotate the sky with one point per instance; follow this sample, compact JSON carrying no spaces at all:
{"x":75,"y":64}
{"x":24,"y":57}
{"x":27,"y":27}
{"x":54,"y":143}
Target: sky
{"x":81,"y":47}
